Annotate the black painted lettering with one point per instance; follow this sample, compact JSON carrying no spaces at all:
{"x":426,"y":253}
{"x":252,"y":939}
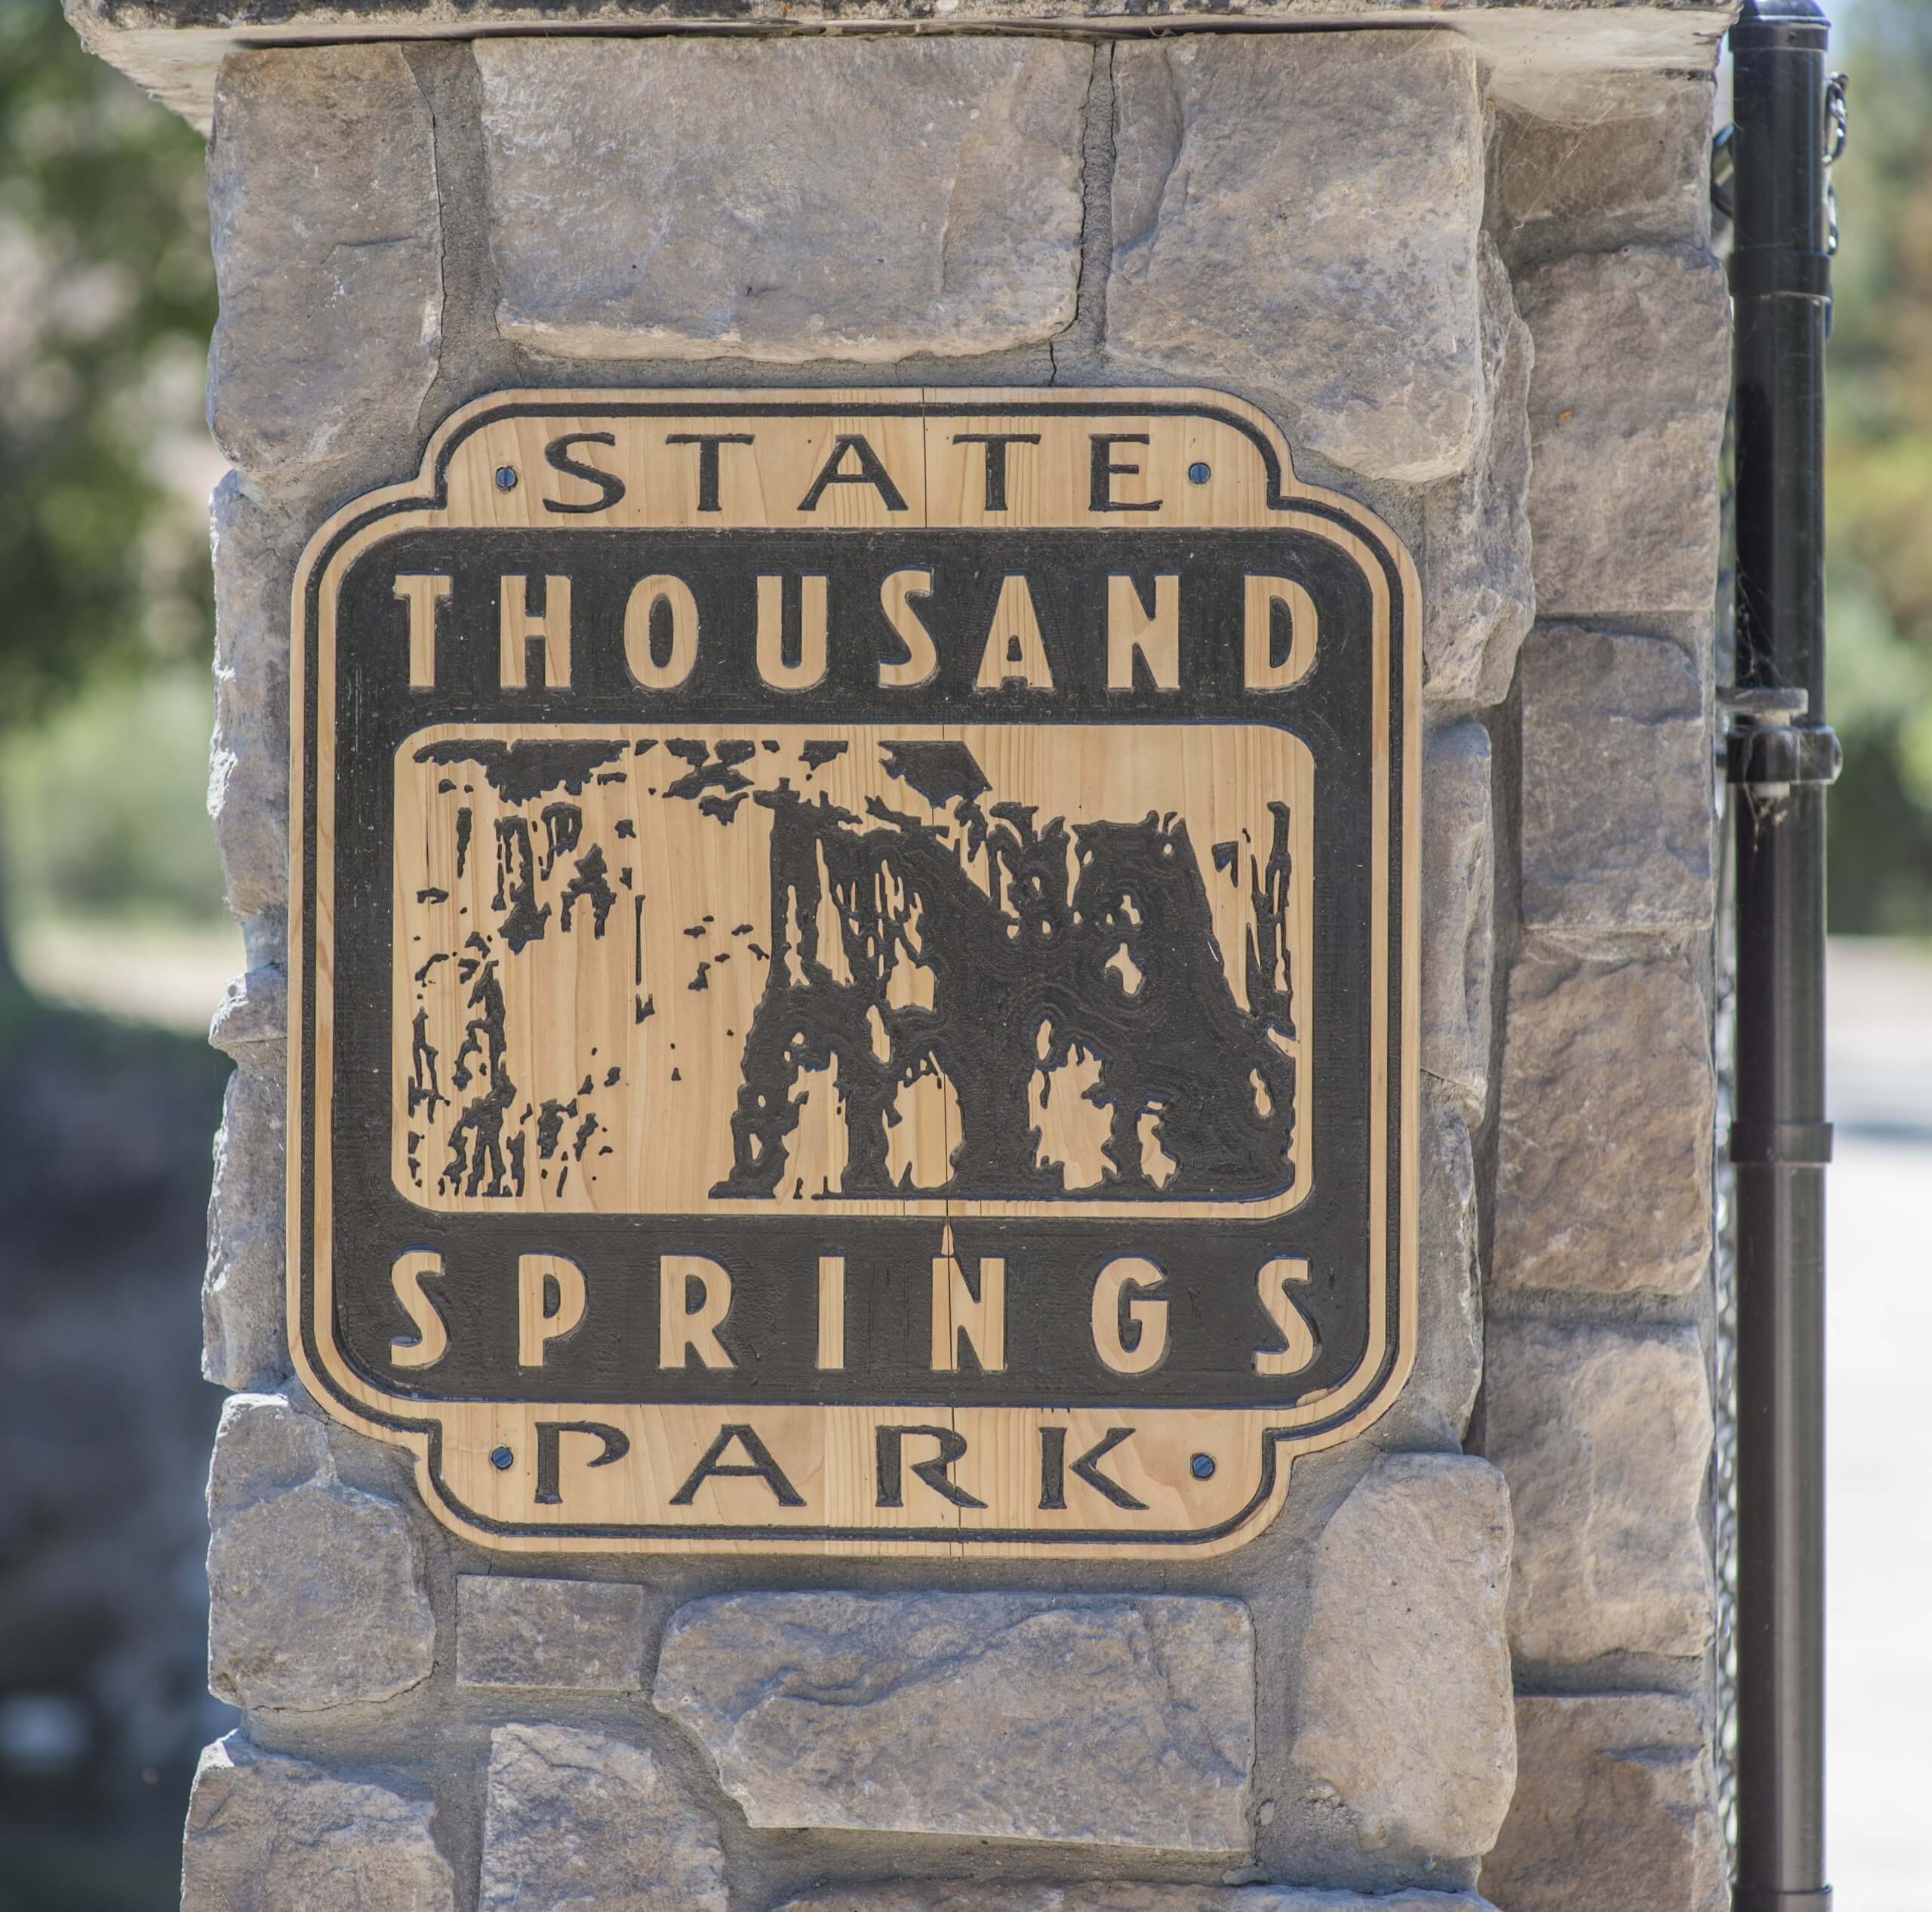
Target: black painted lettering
{"x":995,"y":443}
{"x":549,"y":1440}
{"x":557,"y":456}
{"x":870,"y":471}
{"x":758,"y":1464}
{"x":1104,"y":470}
{"x":1087,"y":1468}
{"x":935,"y":1473}
{"x":707,"y":444}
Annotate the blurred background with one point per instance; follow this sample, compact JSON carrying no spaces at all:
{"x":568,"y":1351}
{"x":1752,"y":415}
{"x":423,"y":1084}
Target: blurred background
{"x":115,"y":947}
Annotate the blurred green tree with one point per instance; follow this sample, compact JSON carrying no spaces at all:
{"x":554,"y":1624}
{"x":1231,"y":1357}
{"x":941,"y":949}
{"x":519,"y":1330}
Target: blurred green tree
{"x":1878,"y":499}
{"x":104,"y":326}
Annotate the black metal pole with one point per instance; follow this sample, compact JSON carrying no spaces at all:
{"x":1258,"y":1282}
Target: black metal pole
{"x":1781,"y":759}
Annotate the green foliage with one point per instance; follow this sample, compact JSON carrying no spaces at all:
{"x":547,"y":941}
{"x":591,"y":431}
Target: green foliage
{"x":105,"y":803}
{"x":104,"y":324}
{"x":1879,"y":480}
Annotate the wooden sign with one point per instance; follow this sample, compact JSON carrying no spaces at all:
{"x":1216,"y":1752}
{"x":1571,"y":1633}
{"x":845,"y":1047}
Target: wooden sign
{"x":853,"y":960}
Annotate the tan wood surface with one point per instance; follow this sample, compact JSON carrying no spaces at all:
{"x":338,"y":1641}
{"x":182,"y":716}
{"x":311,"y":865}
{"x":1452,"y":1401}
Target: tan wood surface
{"x":572,"y":1009}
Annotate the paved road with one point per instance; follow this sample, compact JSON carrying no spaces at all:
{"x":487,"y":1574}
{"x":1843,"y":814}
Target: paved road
{"x":1879,"y":1332}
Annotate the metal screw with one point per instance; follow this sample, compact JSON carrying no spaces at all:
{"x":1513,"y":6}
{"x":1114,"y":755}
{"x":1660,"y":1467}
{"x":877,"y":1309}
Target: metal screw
{"x":1202,"y":1466}
{"x":502,"y":1459}
{"x":1199,"y":473}
{"x":507,"y":478}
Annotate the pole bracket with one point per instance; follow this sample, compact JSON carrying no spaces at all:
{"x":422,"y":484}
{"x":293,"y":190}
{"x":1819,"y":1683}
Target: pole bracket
{"x":1767,"y":753}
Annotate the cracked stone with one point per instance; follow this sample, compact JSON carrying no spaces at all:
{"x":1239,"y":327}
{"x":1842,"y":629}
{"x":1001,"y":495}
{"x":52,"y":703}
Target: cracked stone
{"x":1299,"y":214}
{"x":902,"y":195}
{"x":807,"y":1702}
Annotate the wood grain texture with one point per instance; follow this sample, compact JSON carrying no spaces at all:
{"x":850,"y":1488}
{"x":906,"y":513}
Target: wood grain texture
{"x":710,"y":930}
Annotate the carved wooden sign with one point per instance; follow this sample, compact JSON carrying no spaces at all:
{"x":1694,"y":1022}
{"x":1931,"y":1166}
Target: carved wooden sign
{"x":853,"y":959}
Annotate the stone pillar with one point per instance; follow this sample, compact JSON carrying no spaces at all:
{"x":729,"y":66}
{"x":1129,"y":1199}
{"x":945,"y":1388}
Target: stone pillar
{"x":1465,"y":268}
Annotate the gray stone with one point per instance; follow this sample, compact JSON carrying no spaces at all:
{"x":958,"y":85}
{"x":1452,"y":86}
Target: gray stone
{"x":1458,"y":904}
{"x":1626,"y":410}
{"x":1480,"y":595}
{"x":1405,"y":1719}
{"x":574,"y":1820}
{"x":269,"y":1835}
{"x":252,"y":1019}
{"x":809,"y":1704}
{"x":1298,"y":214}
{"x":1616,"y":1809}
{"x":1448,"y":1370}
{"x":1544,"y":55}
{"x":1632,"y":164}
{"x":1616,"y":821}
{"x":583,"y":1633}
{"x":328,"y":251}
{"x":1606,"y":1110}
{"x":316,"y":1591}
{"x":254,"y":554}
{"x":243,"y":1337}
{"x":1119,"y":1895}
{"x":1127,"y":1895}
{"x":1604,"y":1434}
{"x":899,"y":195}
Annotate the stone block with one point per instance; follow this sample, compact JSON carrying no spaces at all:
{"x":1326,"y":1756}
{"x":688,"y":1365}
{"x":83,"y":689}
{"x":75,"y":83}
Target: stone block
{"x":1604,"y":1434}
{"x":1630,"y":163}
{"x":316,"y":1592}
{"x":1458,"y":905}
{"x":254,"y":557}
{"x":243,"y":1337}
{"x":1617,"y":766}
{"x":587,"y":1634}
{"x":900,"y":195}
{"x":1479,"y":594}
{"x":1616,"y":1808}
{"x":1297,"y":215}
{"x":1627,"y":401}
{"x":269,"y":1835}
{"x":1404,"y":1720}
{"x":322,"y":192}
{"x":1606,"y":1110}
{"x":1448,"y":1370}
{"x":575,"y":1819}
{"x":1120,"y":1895}
{"x":808,"y":1704}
